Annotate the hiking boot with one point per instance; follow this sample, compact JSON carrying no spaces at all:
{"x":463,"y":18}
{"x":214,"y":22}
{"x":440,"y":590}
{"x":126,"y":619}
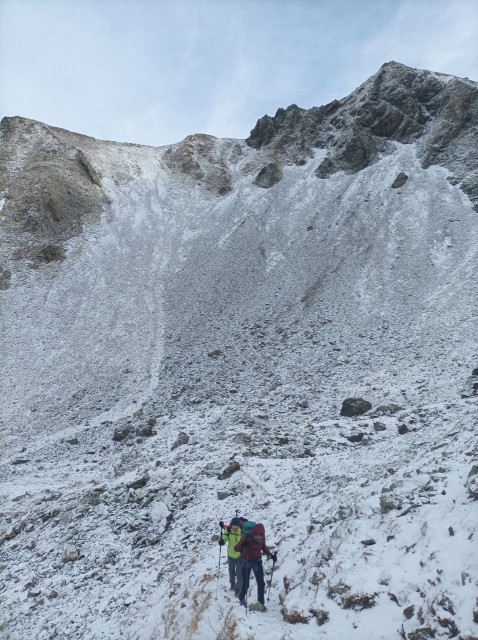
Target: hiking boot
{"x":233,"y":586}
{"x":257,"y":606}
{"x":237,"y":592}
{"x":242,"y":602}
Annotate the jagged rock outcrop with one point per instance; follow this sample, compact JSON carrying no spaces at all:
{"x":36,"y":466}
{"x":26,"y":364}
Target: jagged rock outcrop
{"x":398,"y":104}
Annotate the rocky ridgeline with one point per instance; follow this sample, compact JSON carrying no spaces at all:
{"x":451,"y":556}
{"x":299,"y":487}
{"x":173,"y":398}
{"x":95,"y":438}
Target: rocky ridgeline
{"x":53,"y":187}
{"x":398,"y":104}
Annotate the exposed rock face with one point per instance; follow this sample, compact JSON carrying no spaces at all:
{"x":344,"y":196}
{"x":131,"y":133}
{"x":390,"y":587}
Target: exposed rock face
{"x":197,"y":157}
{"x":50,"y":188}
{"x":398,"y":104}
{"x":50,"y":253}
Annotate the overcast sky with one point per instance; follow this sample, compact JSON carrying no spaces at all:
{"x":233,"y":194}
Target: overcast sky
{"x":154,"y":71}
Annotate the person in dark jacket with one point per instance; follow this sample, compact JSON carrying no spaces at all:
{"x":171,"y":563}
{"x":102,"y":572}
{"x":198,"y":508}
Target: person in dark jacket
{"x":252,"y":545}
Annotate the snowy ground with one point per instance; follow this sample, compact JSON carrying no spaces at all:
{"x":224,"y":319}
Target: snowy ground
{"x":244,"y":321}
{"x":319,"y":497}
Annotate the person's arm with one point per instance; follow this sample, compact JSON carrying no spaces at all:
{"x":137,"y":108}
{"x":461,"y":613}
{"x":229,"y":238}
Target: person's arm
{"x":265,"y":549}
{"x":240,"y":544}
{"x":221,"y":539}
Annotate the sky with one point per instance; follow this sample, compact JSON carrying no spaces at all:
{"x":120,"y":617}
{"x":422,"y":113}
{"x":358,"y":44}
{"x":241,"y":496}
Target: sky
{"x":154,"y":71}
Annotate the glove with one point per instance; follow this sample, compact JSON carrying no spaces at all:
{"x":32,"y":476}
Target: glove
{"x":274,"y":557}
{"x":221,"y":524}
{"x":221,"y":542}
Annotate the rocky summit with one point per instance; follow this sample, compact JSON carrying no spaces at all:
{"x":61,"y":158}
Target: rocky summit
{"x":284,"y":328}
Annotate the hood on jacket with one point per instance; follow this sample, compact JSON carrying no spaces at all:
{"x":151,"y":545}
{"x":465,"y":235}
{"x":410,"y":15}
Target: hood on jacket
{"x":258,"y":530}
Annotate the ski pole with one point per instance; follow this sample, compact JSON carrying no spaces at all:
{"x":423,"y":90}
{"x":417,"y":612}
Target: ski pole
{"x":270,"y":582}
{"x":219,"y":565}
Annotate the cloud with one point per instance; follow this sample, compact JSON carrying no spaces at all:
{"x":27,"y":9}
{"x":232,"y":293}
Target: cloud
{"x":153,"y":72}
{"x":436,"y":35}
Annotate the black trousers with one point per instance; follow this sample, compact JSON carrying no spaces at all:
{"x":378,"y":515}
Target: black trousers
{"x":258,"y":575}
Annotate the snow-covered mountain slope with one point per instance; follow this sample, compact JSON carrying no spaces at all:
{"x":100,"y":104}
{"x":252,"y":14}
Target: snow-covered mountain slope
{"x":236,"y":293}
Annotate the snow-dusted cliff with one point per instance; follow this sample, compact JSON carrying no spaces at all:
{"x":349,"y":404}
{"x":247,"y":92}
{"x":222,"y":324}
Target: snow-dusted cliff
{"x":237,"y":292}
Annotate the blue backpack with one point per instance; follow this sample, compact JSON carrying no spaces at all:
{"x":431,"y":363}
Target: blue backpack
{"x":247,"y":526}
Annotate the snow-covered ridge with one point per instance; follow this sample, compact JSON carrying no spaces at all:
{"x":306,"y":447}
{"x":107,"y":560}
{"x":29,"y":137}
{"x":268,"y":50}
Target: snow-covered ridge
{"x":167,"y":310}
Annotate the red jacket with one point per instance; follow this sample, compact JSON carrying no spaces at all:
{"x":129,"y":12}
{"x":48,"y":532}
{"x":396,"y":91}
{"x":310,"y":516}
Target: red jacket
{"x":252,"y":550}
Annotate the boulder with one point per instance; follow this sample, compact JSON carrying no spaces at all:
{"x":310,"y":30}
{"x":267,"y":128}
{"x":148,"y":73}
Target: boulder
{"x":70,"y":555}
{"x":390,"y":502}
{"x":472,"y":482}
{"x":387,"y":409}
{"x":399,"y":180}
{"x":355,"y":407}
{"x":5,"y":277}
{"x":355,"y":437}
{"x":326,"y":168}
{"x":268,"y":176}
{"x":408,"y":612}
{"x":146,"y":432}
{"x":139,"y":483}
{"x":231,"y":468}
{"x":181,"y":440}
{"x":121,"y":433}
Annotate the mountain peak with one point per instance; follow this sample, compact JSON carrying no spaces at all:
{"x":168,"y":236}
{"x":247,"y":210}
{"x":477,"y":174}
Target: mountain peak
{"x":398,"y":104}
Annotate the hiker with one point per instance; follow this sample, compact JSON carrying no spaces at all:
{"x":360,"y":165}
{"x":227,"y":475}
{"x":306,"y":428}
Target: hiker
{"x":232,"y":534}
{"x":251,"y":546}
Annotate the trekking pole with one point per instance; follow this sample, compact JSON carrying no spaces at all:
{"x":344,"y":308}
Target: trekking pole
{"x":219,"y":566}
{"x":270,"y":582}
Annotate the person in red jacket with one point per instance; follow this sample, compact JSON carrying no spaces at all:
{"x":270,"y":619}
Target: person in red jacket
{"x":252,"y":545}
